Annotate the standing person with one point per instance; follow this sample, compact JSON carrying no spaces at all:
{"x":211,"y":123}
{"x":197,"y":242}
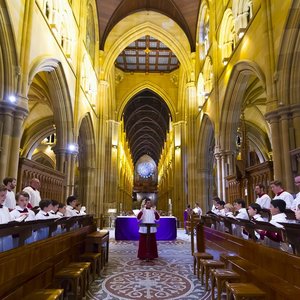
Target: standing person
{"x":296,"y":202}
{"x":280,"y":193}
{"x":262,"y":199}
{"x":33,"y":192}
{"x":10,"y":201}
{"x":147,"y":243}
{"x":197,"y":210}
{"x":186,"y":215}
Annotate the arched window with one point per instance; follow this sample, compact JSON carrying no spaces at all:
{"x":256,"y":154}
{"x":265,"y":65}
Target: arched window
{"x":90,"y":33}
{"x":208,"y":76}
{"x":200,"y":92}
{"x":227,"y":37}
{"x":65,"y":36}
{"x":204,"y":41}
{"x":242,"y":13}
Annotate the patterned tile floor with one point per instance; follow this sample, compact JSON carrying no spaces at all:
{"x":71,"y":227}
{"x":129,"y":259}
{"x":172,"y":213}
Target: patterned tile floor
{"x":169,"y":277}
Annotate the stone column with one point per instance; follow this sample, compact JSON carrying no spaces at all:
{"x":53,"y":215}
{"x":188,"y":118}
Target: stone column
{"x":286,"y":177}
{"x":276,"y":144}
{"x":191,"y":143}
{"x":180,"y":166}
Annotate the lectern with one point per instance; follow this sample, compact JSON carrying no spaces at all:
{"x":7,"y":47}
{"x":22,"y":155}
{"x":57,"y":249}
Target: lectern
{"x":148,"y":226}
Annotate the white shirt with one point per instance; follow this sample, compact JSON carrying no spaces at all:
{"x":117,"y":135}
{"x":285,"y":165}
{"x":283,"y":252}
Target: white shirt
{"x":242,"y":214}
{"x":10,"y":200}
{"x":264,"y":201}
{"x":287,"y":197}
{"x":281,"y":217}
{"x":296,"y":202}
{"x":34,"y":196}
{"x":258,"y":217}
{"x":71,"y":212}
{"x":15,"y":214}
{"x":42,"y":215}
{"x":147,"y":217}
{"x":4,"y":215}
{"x":198,"y":211}
{"x":59,"y":214}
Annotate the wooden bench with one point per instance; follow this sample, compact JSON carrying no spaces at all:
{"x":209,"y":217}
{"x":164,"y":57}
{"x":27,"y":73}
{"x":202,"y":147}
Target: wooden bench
{"x":274,"y":271}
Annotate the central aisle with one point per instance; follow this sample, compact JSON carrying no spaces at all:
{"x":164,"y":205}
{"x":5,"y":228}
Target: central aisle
{"x":168,"y":277}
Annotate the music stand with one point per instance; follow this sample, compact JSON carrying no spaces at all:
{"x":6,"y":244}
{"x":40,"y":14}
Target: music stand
{"x":148,"y":225}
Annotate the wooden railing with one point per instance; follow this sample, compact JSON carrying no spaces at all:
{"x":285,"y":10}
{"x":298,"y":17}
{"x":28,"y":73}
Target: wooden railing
{"x":33,"y":266}
{"x":52,"y":181}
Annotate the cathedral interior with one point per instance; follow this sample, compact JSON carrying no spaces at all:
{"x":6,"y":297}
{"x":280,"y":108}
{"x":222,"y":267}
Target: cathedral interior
{"x":175,"y":100}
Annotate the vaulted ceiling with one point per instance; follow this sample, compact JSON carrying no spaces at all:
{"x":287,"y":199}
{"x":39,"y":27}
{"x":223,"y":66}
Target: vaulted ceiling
{"x":146,"y":123}
{"x":183,"y":12}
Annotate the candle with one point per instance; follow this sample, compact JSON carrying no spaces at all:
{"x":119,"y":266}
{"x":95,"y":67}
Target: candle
{"x":170,"y":202}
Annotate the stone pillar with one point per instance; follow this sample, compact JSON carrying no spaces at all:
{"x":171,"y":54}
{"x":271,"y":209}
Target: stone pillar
{"x":11,"y":120}
{"x":286,"y":177}
{"x":180,"y":174}
{"x":66,"y":159}
{"x":191,"y":144}
{"x":276,"y":145}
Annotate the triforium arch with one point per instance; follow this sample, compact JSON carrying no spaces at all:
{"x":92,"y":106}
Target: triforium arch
{"x":149,"y":23}
{"x":205,"y":162}
{"x":85,"y":185}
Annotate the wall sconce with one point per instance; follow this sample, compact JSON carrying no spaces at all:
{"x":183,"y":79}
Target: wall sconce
{"x":177,"y":147}
{"x":225,"y":61}
{"x":200,"y":107}
{"x":206,"y":95}
{"x":241,"y":32}
{"x":114,"y":146}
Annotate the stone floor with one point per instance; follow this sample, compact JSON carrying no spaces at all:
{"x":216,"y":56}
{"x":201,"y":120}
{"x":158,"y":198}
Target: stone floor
{"x":168,"y":277}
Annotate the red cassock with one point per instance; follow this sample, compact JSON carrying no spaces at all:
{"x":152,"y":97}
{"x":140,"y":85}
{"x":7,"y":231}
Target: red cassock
{"x":147,"y":244}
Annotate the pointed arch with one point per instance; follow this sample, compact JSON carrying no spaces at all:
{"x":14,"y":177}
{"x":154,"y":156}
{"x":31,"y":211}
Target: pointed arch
{"x":233,"y":101}
{"x":153,"y":87}
{"x":9,"y":65}
{"x":60,"y":97}
{"x":288,"y":58}
{"x":156,"y":25}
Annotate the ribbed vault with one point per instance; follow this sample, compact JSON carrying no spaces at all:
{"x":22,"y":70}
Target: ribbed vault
{"x":146,"y":123}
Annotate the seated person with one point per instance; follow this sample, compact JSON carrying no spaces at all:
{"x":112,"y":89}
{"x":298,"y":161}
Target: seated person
{"x":277,"y":209}
{"x":53,"y":211}
{"x":80,"y":209}
{"x":220,"y":208}
{"x":254,"y":210}
{"x":45,"y":208}
{"x":215,"y":200}
{"x":228,"y":209}
{"x":21,"y":211}
{"x":297,"y":213}
{"x":6,"y":242}
{"x":71,"y":210}
{"x":4,"y":211}
{"x":61,"y":211}
{"x":240,"y":209}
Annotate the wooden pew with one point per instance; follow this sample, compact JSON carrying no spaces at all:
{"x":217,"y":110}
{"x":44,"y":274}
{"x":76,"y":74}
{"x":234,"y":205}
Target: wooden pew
{"x":274,"y":271}
{"x":32,"y":266}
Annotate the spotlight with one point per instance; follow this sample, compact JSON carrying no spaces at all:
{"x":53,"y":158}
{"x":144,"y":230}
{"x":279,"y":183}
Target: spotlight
{"x":12,"y":98}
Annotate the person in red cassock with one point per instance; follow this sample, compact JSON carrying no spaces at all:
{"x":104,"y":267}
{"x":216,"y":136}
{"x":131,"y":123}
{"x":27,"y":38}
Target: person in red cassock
{"x":147,"y":244}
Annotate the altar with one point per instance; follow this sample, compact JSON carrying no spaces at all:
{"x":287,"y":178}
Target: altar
{"x":127,"y":228}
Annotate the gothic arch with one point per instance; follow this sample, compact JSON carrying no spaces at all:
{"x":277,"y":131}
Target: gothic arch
{"x":154,"y":88}
{"x":8,"y":55}
{"x":121,"y":36}
{"x":86,"y":162}
{"x":205,"y":160}
{"x":289,"y":59}
{"x":232,"y":104}
{"x":60,"y":96}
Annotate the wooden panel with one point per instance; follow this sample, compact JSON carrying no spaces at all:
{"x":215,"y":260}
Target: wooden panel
{"x":33,"y":266}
